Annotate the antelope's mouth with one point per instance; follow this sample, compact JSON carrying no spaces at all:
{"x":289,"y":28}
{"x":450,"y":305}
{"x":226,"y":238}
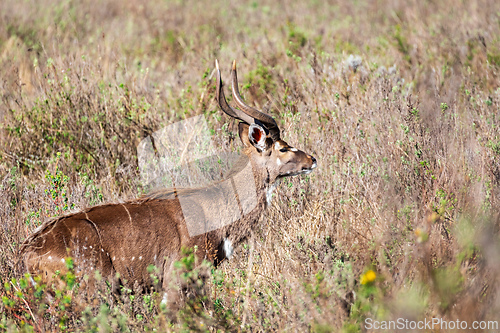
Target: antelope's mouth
{"x":315,"y":164}
{"x":304,"y":171}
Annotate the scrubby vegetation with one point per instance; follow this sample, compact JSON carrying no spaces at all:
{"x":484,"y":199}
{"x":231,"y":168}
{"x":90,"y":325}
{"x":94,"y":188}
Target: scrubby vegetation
{"x":398,"y":101}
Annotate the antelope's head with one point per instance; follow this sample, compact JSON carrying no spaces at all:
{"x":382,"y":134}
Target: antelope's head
{"x":261,"y":137}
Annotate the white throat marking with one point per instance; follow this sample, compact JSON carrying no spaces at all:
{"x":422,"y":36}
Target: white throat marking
{"x":228,"y":248}
{"x":269,"y":192}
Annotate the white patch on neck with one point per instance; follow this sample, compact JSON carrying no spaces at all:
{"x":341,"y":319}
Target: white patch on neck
{"x":33,"y":283}
{"x":269,"y":193}
{"x":164,"y":300}
{"x":228,"y":248}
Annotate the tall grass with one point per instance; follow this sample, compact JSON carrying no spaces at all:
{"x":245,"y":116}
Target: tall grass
{"x":398,"y":101}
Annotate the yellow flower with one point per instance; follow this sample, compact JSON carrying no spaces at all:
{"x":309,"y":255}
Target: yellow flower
{"x":368,"y":277}
{"x":422,"y":235}
{"x":434,"y":217}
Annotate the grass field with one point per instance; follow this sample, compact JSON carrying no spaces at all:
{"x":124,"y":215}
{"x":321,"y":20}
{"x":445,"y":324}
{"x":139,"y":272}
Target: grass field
{"x":399,"y":102}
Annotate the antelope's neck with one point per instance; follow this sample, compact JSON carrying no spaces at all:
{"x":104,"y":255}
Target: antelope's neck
{"x":238,"y":231}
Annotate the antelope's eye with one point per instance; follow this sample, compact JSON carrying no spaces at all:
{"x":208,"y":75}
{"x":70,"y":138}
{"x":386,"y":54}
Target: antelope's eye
{"x":283,"y":150}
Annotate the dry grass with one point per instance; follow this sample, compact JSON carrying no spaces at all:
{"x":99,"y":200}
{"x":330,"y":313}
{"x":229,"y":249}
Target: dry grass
{"x":398,"y":101}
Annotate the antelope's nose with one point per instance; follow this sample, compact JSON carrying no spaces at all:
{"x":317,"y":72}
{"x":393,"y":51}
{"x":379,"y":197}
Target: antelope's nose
{"x":314,"y":162}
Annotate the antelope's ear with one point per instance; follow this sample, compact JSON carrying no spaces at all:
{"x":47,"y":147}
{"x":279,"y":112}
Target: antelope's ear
{"x":257,"y":136}
{"x":252,"y":135}
{"x":243,"y":132}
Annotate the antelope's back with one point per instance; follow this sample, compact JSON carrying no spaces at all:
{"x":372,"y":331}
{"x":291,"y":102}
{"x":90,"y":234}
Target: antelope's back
{"x":118,"y":238}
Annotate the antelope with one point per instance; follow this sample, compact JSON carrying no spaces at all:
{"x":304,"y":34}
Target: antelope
{"x":126,"y":238}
